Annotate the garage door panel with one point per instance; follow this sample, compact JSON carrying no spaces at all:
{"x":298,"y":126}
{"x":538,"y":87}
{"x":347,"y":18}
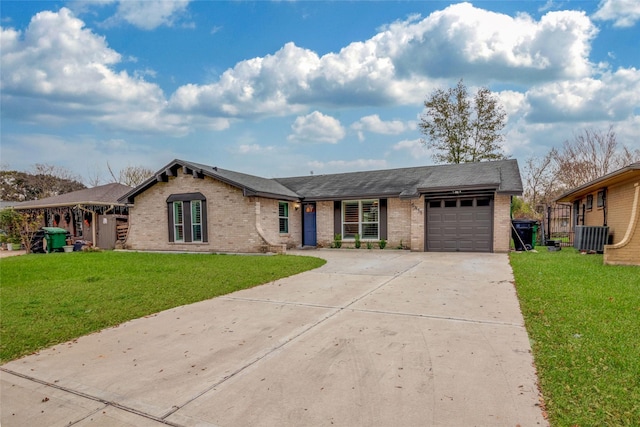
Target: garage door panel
{"x":450,"y":217}
{"x":466,"y":217}
{"x":459,"y":228}
{"x":466,"y":245}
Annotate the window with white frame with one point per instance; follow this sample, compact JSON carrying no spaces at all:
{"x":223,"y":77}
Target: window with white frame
{"x":178,"y":222}
{"x":196,"y":221}
{"x":283,"y":217}
{"x":361,"y":217}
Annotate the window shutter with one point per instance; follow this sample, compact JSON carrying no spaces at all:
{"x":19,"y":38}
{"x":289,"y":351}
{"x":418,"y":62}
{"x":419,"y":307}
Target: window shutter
{"x":186,"y":221}
{"x":383,"y":219}
{"x":337,"y":217}
{"x":203,"y":207}
{"x":170,"y":220}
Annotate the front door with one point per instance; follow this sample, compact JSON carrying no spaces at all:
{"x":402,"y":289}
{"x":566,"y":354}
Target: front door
{"x":309,"y":221}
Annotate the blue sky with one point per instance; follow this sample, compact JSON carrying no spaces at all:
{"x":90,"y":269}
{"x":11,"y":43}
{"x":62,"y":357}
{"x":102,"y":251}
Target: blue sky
{"x":284,"y":88}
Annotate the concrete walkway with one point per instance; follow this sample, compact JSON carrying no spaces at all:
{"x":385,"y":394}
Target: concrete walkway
{"x":373,"y":338}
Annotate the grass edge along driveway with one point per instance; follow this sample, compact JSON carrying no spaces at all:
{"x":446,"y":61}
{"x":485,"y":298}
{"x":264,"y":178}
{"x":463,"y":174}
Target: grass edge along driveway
{"x":583,"y":319}
{"x":54,"y":298}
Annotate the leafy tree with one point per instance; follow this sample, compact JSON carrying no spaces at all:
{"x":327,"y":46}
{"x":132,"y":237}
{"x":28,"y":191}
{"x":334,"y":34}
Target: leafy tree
{"x":21,"y":225}
{"x":460,"y":131}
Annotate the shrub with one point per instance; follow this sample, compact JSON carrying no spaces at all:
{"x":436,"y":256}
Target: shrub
{"x":382,"y":243}
{"x":369,"y":245}
{"x":358,"y":243}
{"x":337,"y":240}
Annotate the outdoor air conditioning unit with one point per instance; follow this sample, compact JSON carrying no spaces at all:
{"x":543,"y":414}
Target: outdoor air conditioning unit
{"x":588,"y":238}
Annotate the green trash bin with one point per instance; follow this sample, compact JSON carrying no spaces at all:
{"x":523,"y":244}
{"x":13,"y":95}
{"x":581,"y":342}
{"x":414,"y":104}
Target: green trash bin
{"x":56,"y":238}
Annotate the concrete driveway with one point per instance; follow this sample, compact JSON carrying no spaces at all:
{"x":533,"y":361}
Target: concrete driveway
{"x":373,"y":338}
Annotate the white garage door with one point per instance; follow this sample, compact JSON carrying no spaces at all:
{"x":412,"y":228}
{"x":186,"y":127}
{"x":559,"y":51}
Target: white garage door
{"x":460,"y":225}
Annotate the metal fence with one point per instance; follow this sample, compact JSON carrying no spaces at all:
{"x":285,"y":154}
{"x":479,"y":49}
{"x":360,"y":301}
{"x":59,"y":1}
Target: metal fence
{"x":558,"y":225}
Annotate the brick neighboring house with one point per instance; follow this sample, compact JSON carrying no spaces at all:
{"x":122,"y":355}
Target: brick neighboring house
{"x":612,"y":201}
{"x":92,"y":214}
{"x":193,"y":207}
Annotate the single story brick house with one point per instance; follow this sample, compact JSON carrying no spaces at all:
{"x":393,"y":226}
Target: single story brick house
{"x":193,"y":207}
{"x":611,"y":202}
{"x":92,"y":214}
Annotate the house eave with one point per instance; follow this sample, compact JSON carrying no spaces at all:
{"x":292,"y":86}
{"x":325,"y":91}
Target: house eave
{"x":70,"y":204}
{"x":623,"y":174}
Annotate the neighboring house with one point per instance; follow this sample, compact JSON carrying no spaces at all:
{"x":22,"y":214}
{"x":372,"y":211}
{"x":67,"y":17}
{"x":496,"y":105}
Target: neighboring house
{"x":92,"y":214}
{"x":611,"y":201}
{"x":193,"y":207}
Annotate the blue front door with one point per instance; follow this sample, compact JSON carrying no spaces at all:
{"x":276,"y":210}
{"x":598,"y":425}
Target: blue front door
{"x":309,"y":221}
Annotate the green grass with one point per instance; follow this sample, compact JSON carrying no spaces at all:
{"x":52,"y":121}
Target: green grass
{"x":53,"y":298}
{"x":583,"y":319}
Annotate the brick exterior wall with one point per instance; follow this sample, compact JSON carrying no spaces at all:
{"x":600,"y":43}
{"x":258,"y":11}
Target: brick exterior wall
{"x":417,"y":212}
{"x":239,"y":224}
{"x":398,"y":222}
{"x":324,"y":224}
{"x":232,"y":219}
{"x":501,"y":223}
{"x":621,"y":214}
{"x":619,"y":202}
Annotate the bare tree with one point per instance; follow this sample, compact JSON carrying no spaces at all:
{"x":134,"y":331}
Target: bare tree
{"x":592,"y":153}
{"x":131,"y":175}
{"x":589,"y":155}
{"x":539,"y":179}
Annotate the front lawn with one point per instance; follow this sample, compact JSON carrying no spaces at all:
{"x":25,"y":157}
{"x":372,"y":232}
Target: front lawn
{"x":583,"y":319}
{"x":53,"y":298}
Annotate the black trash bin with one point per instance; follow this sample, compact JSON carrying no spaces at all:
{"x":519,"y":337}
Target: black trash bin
{"x":522,"y":234}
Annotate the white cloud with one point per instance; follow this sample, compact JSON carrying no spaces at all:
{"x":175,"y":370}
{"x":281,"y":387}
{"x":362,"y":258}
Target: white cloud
{"x":415,"y":147}
{"x":401,"y":63}
{"x":374,"y":124}
{"x":614,"y":97}
{"x":624,"y":13}
{"x":149,"y":14}
{"x":59,"y":71}
{"x":255,"y":149}
{"x":317,"y":127}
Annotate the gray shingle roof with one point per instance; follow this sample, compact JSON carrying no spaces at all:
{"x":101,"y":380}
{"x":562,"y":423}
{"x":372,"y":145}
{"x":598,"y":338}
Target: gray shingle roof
{"x":100,"y":195}
{"x":251,"y":183}
{"x":501,"y":176}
